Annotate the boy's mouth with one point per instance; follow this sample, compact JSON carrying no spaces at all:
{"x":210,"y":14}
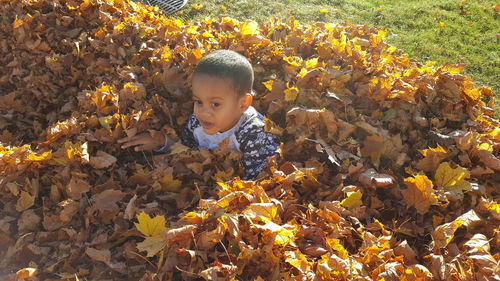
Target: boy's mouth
{"x":206,"y":125}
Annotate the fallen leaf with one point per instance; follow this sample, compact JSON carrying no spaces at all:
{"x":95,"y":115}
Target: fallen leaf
{"x":150,"y":227}
{"x":76,"y":187}
{"x":443,"y":234}
{"x":152,"y":245}
{"x":25,"y":201}
{"x":26,"y":273}
{"x":432,"y":158}
{"x":106,"y":200}
{"x":353,"y":200}
{"x":419,"y":193}
{"x":102,"y":160}
{"x":452,"y":179}
{"x":168,"y":182}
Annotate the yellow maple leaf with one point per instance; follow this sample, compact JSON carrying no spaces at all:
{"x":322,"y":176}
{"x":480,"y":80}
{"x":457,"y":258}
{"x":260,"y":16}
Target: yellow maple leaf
{"x":41,"y":157}
{"x":452,"y":179}
{"x":249,"y":28}
{"x":353,"y":200}
{"x":269,"y":84}
{"x":432,"y":158}
{"x":150,"y":227}
{"x":337,"y":246}
{"x":291,"y":94}
{"x":311,"y":63}
{"x":419,"y":193}
{"x":197,"y":7}
{"x":298,"y":260}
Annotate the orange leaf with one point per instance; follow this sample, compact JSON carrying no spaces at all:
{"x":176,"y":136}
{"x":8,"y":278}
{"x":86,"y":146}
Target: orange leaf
{"x":419,"y":193}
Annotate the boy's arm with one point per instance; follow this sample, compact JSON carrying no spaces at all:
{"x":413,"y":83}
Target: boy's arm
{"x":257,"y":146}
{"x":166,"y":147}
{"x":187,"y":137}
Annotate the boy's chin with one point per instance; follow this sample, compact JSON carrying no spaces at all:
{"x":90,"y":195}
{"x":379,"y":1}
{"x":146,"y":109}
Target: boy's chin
{"x":210,"y":131}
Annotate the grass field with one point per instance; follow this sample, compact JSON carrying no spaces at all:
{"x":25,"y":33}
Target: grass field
{"x":446,"y":31}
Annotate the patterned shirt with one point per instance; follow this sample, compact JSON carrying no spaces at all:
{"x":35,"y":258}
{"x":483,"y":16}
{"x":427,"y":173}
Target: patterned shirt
{"x":247,"y":136}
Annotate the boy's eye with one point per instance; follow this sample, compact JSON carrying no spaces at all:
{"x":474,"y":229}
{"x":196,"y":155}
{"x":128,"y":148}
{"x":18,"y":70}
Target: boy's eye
{"x":197,"y":101}
{"x":215,"y":104}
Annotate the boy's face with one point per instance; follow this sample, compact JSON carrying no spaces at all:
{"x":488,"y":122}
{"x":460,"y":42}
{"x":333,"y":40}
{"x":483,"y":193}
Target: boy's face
{"x":217,"y":106}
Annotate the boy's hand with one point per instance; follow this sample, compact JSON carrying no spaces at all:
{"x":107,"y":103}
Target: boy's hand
{"x":144,"y":141}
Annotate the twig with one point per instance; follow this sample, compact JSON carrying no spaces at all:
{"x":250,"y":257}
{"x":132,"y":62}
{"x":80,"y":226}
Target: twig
{"x":227,"y":253}
{"x":154,"y":266}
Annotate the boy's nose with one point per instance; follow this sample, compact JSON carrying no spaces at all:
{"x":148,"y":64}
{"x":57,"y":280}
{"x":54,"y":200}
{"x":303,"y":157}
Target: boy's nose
{"x":203,"y":113}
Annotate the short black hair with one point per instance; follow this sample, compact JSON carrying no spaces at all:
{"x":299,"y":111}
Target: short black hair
{"x":228,"y":64}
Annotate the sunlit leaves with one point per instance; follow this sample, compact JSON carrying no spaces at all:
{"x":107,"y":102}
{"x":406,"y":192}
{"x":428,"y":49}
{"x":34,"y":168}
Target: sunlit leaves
{"x":444,"y":233}
{"x":452,"y":179}
{"x":150,"y":227}
{"x":419,"y":193}
{"x":250,"y":28}
{"x":352,"y":200}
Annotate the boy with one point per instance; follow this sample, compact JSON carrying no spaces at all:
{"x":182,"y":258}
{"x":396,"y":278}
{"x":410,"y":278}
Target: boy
{"x":222,"y":93}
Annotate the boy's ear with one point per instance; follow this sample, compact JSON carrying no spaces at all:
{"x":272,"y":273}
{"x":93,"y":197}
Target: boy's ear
{"x":246,"y":102}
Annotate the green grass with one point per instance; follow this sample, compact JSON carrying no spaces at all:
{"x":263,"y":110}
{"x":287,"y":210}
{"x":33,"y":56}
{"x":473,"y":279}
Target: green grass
{"x":470,"y":37}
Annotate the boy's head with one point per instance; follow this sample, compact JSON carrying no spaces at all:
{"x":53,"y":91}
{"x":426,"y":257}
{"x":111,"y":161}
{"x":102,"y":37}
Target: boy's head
{"x":222,"y":90}
{"x":227,"y":64}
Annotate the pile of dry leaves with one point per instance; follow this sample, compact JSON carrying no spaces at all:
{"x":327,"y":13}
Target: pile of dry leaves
{"x":389,"y":167}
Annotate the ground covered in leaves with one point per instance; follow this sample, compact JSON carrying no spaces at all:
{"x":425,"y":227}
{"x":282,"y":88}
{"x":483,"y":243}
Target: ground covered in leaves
{"x":388,"y":171}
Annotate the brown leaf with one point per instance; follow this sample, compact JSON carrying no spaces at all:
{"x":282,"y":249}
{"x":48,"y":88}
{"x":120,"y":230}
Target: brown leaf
{"x":25,"y":201}
{"x":102,"y":160}
{"x":444,"y":233}
{"x":28,"y":221}
{"x":76,"y":187}
{"x":106,"y":200}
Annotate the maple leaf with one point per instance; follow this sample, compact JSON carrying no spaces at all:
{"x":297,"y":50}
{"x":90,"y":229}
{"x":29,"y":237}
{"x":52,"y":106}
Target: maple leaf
{"x":152,"y":245}
{"x":353,"y":200}
{"x":250,"y":28}
{"x":150,"y":227}
{"x":452,"y":179}
{"x":419,"y":193}
{"x":291,"y":94}
{"x":168,"y":183}
{"x":432,"y":158}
